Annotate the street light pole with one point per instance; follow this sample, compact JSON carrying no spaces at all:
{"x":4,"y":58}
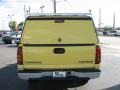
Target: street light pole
{"x":42,"y":8}
{"x":10,"y":16}
{"x":3,"y":24}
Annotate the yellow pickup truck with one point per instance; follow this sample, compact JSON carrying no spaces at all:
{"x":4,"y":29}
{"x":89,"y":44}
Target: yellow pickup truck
{"x":59,"y":46}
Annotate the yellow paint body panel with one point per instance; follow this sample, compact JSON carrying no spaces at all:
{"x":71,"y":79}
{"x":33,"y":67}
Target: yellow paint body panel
{"x":48,"y":32}
{"x":75,"y":56}
{"x":70,"y":32}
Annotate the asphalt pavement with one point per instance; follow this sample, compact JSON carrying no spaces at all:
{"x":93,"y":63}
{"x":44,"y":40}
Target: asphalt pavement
{"x":108,"y":80}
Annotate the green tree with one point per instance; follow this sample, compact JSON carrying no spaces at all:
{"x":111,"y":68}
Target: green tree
{"x":20,"y":26}
{"x":13,"y":25}
{"x":107,"y":28}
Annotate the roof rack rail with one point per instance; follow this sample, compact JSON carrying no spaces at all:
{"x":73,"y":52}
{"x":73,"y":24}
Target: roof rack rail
{"x":60,"y":14}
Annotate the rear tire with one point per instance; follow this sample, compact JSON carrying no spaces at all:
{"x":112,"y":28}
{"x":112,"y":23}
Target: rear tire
{"x":13,"y":41}
{"x":17,"y":44}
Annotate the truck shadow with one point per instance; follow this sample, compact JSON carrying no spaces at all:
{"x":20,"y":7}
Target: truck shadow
{"x":117,"y":87}
{"x":47,"y":85}
{"x":53,"y":85}
{"x":10,"y":81}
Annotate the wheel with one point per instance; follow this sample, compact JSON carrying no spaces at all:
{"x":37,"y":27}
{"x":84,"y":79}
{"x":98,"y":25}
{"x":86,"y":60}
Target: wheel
{"x":17,"y":44}
{"x":13,"y":41}
{"x":6,"y":42}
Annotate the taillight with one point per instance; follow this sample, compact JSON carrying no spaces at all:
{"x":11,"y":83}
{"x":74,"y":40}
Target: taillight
{"x":19,"y":56}
{"x":98,"y":55}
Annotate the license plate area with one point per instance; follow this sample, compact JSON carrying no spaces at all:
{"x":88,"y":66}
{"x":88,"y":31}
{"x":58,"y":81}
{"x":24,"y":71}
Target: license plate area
{"x":58,"y":74}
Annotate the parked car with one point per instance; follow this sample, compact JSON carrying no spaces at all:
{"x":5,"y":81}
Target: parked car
{"x":5,"y":33}
{"x":59,"y":47}
{"x":18,"y":37}
{"x":9,"y":37}
{"x":117,"y":33}
{"x":111,"y":33}
{"x":99,"y":33}
{"x":0,"y":34}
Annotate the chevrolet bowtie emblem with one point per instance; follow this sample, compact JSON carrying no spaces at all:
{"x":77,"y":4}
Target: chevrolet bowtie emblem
{"x":59,"y":39}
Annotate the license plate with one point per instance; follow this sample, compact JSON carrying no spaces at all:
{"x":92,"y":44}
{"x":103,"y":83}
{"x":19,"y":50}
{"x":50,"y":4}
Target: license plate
{"x":59,"y":74}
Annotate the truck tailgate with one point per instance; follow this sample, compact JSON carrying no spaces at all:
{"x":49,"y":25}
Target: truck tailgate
{"x":36,"y":57}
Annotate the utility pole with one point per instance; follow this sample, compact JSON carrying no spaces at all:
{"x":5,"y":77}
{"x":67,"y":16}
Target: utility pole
{"x":114,"y":21}
{"x":54,"y":5}
{"x":99,"y":19}
{"x":24,"y":12}
{"x":10,"y":16}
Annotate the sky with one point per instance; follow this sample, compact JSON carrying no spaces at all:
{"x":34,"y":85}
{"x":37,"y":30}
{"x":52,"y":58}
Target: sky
{"x":14,"y":10}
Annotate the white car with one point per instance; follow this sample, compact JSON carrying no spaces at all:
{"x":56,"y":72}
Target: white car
{"x":17,"y":38}
{"x":99,"y":33}
{"x":111,"y":33}
{"x":117,"y":32}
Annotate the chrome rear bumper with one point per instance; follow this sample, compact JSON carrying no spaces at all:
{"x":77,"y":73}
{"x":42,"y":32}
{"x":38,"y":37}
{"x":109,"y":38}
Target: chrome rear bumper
{"x":91,"y":75}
